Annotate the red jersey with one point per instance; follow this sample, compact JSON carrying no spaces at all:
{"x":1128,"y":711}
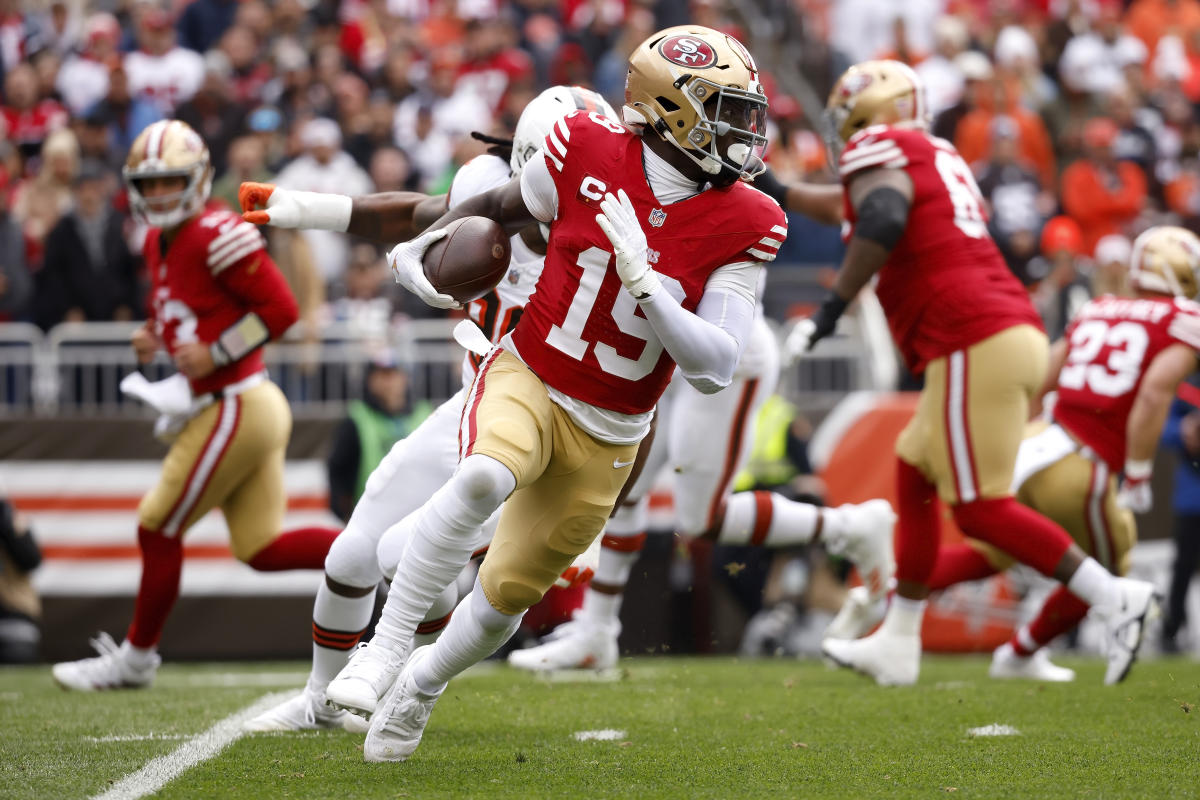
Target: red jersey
{"x":945,"y":285}
{"x":581,"y":332}
{"x":1111,"y":342}
{"x":214,"y":272}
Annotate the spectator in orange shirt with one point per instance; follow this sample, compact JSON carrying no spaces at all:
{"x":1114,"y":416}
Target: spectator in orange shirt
{"x":1150,"y":19}
{"x":1100,"y":193}
{"x":973,"y":136}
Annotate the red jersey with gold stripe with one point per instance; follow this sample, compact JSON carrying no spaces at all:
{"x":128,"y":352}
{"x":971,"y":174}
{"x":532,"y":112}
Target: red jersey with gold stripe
{"x":1111,"y":342}
{"x":214,"y":271}
{"x":581,"y":332}
{"x":945,"y":285}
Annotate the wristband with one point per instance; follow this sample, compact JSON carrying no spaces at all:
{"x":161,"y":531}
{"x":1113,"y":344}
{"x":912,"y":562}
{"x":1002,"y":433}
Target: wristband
{"x":646,"y":286}
{"x":327,"y":212}
{"x":240,"y":339}
{"x":1138,"y":470}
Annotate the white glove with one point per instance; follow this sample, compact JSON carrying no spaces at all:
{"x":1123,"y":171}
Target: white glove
{"x":405,"y":261}
{"x":1135,"y":493}
{"x":619,"y":223}
{"x":797,"y":341}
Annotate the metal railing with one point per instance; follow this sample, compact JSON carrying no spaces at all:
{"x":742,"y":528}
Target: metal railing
{"x":75,"y":369}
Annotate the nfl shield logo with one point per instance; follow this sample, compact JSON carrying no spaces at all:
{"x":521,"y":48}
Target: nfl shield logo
{"x":658,"y":217}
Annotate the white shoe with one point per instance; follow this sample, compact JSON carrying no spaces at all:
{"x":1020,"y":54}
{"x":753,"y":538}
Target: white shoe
{"x":1124,"y":624}
{"x":306,"y":711}
{"x":889,"y":658}
{"x":365,"y":679}
{"x":858,"y":614}
{"x":1007,"y":663}
{"x":397,"y":726}
{"x":863,"y":534}
{"x":578,"y":644}
{"x":112,"y":669}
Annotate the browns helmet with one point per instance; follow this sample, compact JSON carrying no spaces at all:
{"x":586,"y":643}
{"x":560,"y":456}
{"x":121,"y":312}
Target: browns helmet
{"x":698,"y":88}
{"x":1166,"y":259}
{"x":168,"y":148}
{"x":873,"y":93}
{"x":543,"y":111}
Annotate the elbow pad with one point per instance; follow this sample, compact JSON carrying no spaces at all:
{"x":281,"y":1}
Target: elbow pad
{"x":707,"y":383}
{"x":240,"y":340}
{"x":882,"y":217}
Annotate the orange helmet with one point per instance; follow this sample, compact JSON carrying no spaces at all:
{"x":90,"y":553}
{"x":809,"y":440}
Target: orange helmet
{"x":1062,"y":233}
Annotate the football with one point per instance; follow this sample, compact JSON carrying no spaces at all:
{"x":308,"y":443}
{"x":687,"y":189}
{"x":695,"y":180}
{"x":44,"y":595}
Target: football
{"x":469,"y":260}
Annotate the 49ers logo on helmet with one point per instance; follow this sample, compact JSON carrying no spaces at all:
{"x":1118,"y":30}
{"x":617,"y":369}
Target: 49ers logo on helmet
{"x":688,"y":51}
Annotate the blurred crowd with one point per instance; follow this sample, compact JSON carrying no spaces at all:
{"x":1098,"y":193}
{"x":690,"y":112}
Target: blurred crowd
{"x":1081,"y":119}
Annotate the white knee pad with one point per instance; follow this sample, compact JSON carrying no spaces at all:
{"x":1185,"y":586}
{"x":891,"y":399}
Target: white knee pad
{"x":482,"y":483}
{"x":351,"y":560}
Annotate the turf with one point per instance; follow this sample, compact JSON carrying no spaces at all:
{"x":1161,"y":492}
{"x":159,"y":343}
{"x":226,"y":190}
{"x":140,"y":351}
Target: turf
{"x":694,"y":727}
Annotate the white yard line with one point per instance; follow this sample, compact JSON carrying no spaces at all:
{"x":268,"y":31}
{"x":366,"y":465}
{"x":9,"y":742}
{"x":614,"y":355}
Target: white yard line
{"x":164,"y":769}
{"x":605,"y":735}
{"x":995,"y":729}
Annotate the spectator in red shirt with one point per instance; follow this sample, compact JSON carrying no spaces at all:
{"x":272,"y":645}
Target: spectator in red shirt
{"x":1100,"y":193}
{"x":28,"y":119}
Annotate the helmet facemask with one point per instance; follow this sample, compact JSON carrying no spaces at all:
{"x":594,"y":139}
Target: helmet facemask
{"x":728,"y":140}
{"x":167,"y":211}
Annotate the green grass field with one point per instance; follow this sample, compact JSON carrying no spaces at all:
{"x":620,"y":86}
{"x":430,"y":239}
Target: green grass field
{"x":692,"y":727}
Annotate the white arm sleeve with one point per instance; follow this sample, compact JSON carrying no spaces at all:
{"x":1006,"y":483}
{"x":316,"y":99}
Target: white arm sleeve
{"x":707,"y":345}
{"x":538,"y":189}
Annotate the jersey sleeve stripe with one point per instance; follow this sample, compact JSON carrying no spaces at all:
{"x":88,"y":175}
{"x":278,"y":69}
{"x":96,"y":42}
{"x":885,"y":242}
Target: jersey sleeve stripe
{"x":558,"y":146}
{"x":557,"y":164}
{"x":873,"y":159}
{"x":761,"y":254}
{"x":780,"y":229}
{"x":232,"y":257}
{"x":218,"y":248}
{"x":239,"y":231}
{"x":563,"y":131}
{"x":769,"y":242}
{"x":1186,"y":329}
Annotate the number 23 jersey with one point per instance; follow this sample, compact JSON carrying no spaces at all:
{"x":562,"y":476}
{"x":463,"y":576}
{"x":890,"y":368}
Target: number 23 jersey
{"x":945,"y":285}
{"x":1110,"y":344}
{"x":582,"y":333}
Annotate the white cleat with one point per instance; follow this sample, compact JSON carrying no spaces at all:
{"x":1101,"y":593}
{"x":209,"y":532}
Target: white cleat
{"x":397,"y":726}
{"x":891,"y":659}
{"x":112,"y":669}
{"x":858,"y":615}
{"x":1007,"y":663}
{"x":365,"y":679}
{"x":306,"y":711}
{"x":578,"y":644}
{"x":1124,"y":624}
{"x":863,"y":534}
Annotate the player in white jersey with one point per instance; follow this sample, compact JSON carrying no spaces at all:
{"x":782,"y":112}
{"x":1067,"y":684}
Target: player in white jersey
{"x":705,"y":440}
{"x":368,"y":550}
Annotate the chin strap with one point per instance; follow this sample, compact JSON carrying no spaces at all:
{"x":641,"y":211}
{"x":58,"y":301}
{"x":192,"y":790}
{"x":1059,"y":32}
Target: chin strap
{"x":240,"y":340}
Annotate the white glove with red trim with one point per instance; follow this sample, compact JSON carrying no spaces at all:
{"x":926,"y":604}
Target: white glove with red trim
{"x":1135,"y":493}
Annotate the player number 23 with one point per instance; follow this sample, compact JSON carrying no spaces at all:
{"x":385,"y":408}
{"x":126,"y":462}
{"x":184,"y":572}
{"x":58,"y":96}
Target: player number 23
{"x":1119,"y":372}
{"x":568,"y":337}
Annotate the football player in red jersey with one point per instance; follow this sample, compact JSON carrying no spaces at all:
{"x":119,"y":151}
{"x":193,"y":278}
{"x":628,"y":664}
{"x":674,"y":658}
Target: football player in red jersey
{"x":1114,"y":373}
{"x":965,"y":323}
{"x":652,"y":262}
{"x":216,"y":299}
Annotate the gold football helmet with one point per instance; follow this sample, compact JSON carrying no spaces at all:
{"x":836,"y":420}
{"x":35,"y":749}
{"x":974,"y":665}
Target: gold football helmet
{"x":169,"y":148}
{"x":873,"y":93}
{"x":698,"y":88}
{"x":1166,"y":259}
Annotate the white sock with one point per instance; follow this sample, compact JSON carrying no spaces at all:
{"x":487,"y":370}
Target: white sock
{"x":620,"y":548}
{"x":438,"y":618}
{"x":475,"y":632}
{"x":138,"y":657}
{"x":767,"y":519}
{"x":338,"y":624}
{"x":904,"y":616}
{"x":441,"y":544}
{"x":1093,"y":584}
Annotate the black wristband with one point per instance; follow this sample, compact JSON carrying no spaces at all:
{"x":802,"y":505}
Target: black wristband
{"x":769,"y":185}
